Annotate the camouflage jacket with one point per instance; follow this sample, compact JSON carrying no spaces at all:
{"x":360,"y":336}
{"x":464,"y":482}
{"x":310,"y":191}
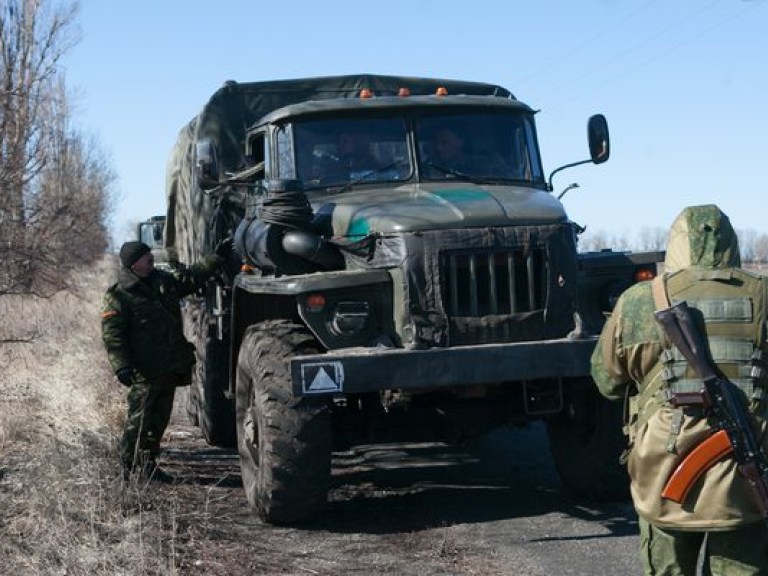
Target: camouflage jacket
{"x":141,"y":323}
{"x":702,"y":262}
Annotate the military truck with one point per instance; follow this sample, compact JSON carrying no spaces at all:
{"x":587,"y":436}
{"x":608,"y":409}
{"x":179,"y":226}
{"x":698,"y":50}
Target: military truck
{"x":150,"y":231}
{"x":381,"y":287}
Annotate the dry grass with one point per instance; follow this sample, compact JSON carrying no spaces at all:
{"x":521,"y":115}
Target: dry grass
{"x":66,"y":509}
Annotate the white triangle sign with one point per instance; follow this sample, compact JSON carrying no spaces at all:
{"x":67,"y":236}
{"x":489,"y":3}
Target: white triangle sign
{"x":322,"y":381}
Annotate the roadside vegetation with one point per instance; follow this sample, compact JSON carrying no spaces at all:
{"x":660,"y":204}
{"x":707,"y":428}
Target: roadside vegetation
{"x":66,"y":508}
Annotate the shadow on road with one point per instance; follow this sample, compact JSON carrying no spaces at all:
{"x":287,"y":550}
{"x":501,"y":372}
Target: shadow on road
{"x":409,"y":487}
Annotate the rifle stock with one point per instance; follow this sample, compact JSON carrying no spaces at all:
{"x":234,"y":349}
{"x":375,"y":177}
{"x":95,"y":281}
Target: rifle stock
{"x":679,"y":327}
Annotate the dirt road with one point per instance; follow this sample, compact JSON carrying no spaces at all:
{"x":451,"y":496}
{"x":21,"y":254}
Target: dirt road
{"x":495,"y":507}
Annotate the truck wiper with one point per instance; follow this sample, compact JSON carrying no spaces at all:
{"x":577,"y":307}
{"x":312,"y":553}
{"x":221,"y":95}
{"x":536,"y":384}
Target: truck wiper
{"x":366,"y":177}
{"x":461,"y":175}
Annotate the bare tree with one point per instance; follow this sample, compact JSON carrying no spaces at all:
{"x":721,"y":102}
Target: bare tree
{"x":651,"y":238}
{"x":761,"y":249}
{"x":54,"y":184}
{"x":593,"y":241}
{"x":67,"y":202}
{"x":33,"y":39}
{"x":747,"y":244}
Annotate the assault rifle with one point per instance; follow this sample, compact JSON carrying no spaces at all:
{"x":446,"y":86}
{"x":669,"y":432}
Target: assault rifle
{"x":720,"y":398}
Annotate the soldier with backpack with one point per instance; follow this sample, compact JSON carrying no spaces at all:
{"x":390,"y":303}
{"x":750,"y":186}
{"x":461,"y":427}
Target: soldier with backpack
{"x":634,"y":362}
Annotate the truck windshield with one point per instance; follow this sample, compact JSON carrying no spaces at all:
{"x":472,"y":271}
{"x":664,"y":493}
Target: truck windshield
{"x":484,"y":146}
{"x":339,"y":151}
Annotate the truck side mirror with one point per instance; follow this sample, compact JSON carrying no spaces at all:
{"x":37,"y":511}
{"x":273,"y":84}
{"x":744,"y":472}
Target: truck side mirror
{"x":206,"y":164}
{"x":599,"y":139}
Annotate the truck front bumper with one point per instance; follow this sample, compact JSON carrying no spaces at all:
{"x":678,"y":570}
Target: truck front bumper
{"x":357,"y":370}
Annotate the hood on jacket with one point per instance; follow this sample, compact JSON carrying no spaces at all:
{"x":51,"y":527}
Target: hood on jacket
{"x":701,"y":236}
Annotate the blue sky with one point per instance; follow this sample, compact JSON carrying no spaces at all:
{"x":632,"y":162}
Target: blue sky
{"x":683,"y":84}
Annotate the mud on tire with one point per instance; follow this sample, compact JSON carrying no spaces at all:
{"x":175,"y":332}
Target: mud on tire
{"x":284,"y":441}
{"x":586,"y":441}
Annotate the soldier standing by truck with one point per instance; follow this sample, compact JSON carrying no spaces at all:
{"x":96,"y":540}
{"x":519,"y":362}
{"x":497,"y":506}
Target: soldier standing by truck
{"x":669,"y":417}
{"x":142,"y":333}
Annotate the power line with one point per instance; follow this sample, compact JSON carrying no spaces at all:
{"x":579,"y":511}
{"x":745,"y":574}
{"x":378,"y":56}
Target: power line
{"x":580,"y":47}
{"x":749,"y":5}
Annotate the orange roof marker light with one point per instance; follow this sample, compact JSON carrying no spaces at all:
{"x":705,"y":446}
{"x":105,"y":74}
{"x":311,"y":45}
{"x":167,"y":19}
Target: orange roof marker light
{"x":366,"y":93}
{"x":403,"y":92}
{"x":441,"y":91}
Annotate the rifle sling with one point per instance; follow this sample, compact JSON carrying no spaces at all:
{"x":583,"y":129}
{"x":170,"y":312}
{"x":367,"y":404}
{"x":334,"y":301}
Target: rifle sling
{"x":659,"y":291}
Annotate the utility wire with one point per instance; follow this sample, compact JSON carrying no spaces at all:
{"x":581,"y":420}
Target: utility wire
{"x":580,"y":47}
{"x":628,"y":69}
{"x":621,"y":56}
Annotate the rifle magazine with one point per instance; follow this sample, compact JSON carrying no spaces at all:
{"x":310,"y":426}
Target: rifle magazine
{"x":695,"y":464}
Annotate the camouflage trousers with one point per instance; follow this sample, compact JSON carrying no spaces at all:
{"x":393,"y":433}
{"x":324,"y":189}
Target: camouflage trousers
{"x":150,"y":403}
{"x":737,"y":552}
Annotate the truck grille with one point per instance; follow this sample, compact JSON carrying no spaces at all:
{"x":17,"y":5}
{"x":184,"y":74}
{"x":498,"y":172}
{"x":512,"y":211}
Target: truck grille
{"x":506,"y":282}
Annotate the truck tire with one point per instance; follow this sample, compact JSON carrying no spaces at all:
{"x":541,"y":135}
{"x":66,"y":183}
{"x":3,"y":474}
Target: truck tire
{"x":284,"y":441}
{"x":207,"y":405}
{"x":586,"y":442}
{"x":216,"y":413}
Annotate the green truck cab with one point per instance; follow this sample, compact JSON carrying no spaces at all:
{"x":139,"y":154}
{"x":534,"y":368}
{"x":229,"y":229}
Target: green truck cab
{"x":399,"y":258}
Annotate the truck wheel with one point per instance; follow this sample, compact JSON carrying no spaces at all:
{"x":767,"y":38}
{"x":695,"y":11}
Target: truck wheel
{"x":586,"y":442}
{"x":284,"y":441}
{"x":207,"y":406}
{"x":216,"y":413}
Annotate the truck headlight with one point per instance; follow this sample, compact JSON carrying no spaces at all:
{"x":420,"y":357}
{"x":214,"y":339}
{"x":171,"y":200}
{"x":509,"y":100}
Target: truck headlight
{"x":349,"y":317}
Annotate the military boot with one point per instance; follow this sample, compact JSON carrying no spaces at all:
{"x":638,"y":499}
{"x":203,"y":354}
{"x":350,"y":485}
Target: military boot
{"x":145,"y":468}
{"x":156,"y":474}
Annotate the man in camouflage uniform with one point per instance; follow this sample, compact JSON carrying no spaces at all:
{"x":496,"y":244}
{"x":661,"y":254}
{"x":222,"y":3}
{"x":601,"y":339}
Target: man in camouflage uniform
{"x":633,"y":359}
{"x":141,"y":329}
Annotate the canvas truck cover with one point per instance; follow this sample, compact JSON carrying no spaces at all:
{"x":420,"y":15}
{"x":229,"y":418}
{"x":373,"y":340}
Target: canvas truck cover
{"x":195,"y":220}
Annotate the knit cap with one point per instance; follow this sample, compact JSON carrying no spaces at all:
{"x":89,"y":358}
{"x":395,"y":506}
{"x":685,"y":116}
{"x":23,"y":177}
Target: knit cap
{"x":132,"y":251}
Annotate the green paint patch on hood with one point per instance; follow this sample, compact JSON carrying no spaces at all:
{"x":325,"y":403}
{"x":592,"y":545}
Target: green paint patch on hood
{"x":359,"y":228}
{"x":457,"y":195}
